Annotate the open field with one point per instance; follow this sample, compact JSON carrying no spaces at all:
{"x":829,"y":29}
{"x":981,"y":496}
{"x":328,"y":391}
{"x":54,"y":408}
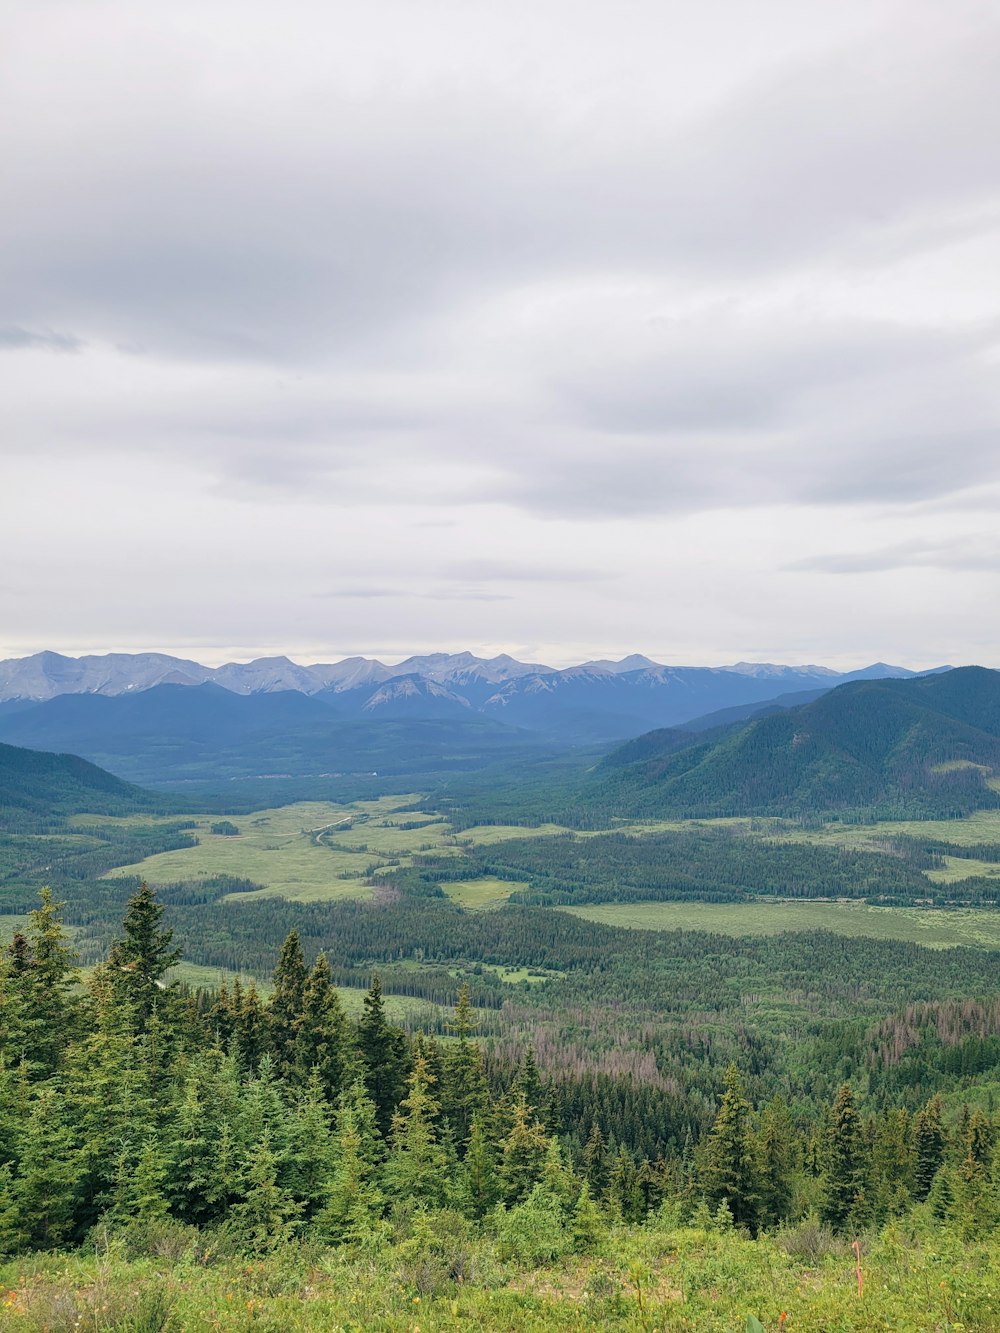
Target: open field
{"x":485,"y":835}
{"x":481,"y":893}
{"x":306,"y":852}
{"x":931,"y":928}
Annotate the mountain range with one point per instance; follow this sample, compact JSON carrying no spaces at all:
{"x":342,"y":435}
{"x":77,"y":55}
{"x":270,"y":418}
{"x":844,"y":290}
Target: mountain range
{"x":918,"y":748}
{"x":596,"y":702}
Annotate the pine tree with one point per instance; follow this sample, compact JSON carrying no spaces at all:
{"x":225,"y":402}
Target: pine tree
{"x":463,"y":1084}
{"x":929,"y":1144}
{"x":354,"y":1200}
{"x":843,"y":1192}
{"x":383,"y":1050}
{"x":266,"y":1216}
{"x":285,"y":1009}
{"x":417,"y":1166}
{"x":138,"y":962}
{"x":523,"y":1154}
{"x":731,"y":1167}
{"x":321,"y":1040}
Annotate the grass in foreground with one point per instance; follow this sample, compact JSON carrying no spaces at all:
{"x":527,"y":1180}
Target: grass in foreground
{"x":932,"y":928}
{"x":441,"y":1277}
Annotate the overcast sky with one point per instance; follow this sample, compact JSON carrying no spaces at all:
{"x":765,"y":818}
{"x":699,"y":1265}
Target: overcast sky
{"x":562,"y":329}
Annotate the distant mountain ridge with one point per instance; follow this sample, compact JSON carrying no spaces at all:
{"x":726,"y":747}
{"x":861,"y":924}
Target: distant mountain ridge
{"x":924,"y":747}
{"x":595,"y":702}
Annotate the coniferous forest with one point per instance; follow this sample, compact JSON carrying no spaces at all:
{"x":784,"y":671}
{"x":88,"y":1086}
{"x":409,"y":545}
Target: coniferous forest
{"x":176,"y":1158}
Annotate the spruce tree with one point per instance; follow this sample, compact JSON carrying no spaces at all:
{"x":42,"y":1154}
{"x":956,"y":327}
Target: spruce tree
{"x":463,"y":1083}
{"x":383,"y":1050}
{"x":595,"y":1162}
{"x":417,"y":1165}
{"x":321,"y":1038}
{"x":480,"y":1186}
{"x":285,"y":1009}
{"x":353,"y":1199}
{"x":928,"y":1144}
{"x":776,"y":1139}
{"x":139,"y":960}
{"x":731,"y":1167}
{"x":40,"y":983}
{"x":310,"y":1154}
{"x":843,"y":1188}
{"x":523,"y":1154}
{"x":267,"y":1215}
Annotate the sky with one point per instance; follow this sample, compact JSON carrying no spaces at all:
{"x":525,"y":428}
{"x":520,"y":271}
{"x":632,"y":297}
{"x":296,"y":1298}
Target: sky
{"x":563,"y":329}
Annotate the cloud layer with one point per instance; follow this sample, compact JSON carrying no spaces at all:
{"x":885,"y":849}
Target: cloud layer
{"x":553,"y":328}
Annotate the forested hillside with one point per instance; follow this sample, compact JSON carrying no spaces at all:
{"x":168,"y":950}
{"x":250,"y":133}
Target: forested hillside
{"x":885,"y":749}
{"x":41,"y":789}
{"x":236,"y":1138}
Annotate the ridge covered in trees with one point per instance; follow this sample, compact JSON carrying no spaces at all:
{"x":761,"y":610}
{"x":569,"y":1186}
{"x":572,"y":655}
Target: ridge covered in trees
{"x":918,"y":748}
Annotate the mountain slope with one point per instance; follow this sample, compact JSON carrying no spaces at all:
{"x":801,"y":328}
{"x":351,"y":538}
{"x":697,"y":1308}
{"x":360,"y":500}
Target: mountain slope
{"x":50,"y":785}
{"x":173,"y":732}
{"x":909,"y":748}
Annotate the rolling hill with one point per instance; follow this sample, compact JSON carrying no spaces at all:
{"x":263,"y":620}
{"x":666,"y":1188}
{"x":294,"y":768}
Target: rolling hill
{"x":916,"y":748}
{"x":34,"y":784}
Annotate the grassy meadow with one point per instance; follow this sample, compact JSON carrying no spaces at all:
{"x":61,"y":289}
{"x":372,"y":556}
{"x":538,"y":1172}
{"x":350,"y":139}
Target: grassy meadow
{"x":306,"y":852}
{"x":935,"y":929}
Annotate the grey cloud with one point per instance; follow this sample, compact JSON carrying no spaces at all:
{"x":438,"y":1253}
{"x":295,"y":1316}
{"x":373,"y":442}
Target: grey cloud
{"x":502,"y":571}
{"x":16,"y":339}
{"x":977,"y":554}
{"x":325,"y":220}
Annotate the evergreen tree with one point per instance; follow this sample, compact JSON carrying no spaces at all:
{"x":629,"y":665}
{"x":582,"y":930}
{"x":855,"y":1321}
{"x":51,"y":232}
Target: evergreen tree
{"x":929,"y":1144}
{"x":776,"y":1140}
{"x":354,"y":1200}
{"x":138,"y":962}
{"x":528,"y":1085}
{"x":321,"y":1040}
{"x":41,"y":1010}
{"x":417,"y":1166}
{"x":595,"y":1162}
{"x":523,"y":1154}
{"x":463,"y":1083}
{"x":586,"y":1224}
{"x":249,"y":1042}
{"x":480,"y":1186}
{"x":311,"y":1147}
{"x":285,"y":1009}
{"x":843,"y":1189}
{"x":266,"y":1216}
{"x":48,"y":1187}
{"x":383,"y":1050}
{"x":731,"y":1167}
